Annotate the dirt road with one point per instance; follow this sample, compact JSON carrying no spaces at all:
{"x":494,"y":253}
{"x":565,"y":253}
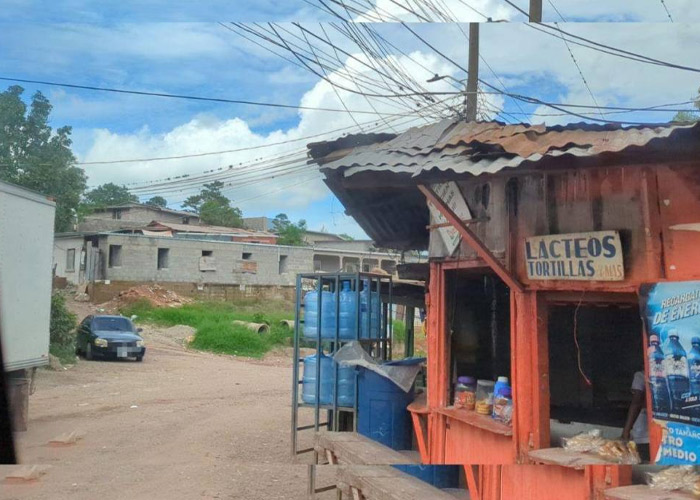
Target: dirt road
{"x":181,"y":424}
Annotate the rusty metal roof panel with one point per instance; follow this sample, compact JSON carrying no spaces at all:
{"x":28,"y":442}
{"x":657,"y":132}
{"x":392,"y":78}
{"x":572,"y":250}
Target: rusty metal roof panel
{"x":488,"y":147}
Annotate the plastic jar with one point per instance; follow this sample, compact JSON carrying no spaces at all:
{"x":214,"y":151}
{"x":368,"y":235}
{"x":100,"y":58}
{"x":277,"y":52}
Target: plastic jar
{"x":484,"y":397}
{"x":465,"y":393}
{"x":503,"y":405}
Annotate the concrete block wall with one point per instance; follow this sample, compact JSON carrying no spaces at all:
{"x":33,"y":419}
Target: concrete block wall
{"x":60,"y":260}
{"x":234,"y":262}
{"x":101,"y":292}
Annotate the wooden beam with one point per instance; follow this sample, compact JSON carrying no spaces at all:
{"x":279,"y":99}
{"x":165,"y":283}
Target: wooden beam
{"x":471,"y":239}
{"x":465,"y":221}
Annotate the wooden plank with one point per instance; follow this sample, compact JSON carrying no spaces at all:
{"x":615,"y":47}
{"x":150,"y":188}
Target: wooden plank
{"x":471,"y":482}
{"x":566,"y":458}
{"x":353,"y":448}
{"x":419,"y":405}
{"x":472,"y":418}
{"x":471,"y":239}
{"x":420,"y":426}
{"x":390,"y":484}
{"x":644,"y":492}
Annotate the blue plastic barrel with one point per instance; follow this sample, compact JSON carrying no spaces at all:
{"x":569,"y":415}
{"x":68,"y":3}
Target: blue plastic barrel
{"x":370,"y":320}
{"x":381,"y":413}
{"x":440,"y":476}
{"x":308,"y":392}
{"x":311,"y":314}
{"x":348,"y":312}
{"x":346,"y":382}
{"x":346,"y":386}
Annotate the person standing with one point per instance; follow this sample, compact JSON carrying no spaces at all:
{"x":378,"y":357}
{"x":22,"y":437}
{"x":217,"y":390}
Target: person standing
{"x":636,"y":425}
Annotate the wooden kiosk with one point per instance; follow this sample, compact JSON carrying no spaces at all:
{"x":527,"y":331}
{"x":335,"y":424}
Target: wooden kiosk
{"x":556,"y":229}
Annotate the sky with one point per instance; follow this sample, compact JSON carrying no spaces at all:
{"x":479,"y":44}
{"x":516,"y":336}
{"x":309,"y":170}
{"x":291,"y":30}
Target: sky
{"x":181,"y":48}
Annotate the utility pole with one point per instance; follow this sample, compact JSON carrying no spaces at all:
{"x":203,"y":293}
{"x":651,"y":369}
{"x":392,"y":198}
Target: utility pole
{"x":535,"y":11}
{"x":473,"y":76}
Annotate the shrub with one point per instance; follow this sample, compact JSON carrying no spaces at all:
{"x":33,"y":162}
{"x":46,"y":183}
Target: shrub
{"x":63,"y":322}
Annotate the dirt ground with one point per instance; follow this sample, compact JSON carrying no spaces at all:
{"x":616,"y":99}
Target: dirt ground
{"x":180,"y":425}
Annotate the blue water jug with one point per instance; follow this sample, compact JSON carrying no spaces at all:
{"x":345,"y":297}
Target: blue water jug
{"x":369,"y":320}
{"x":311,"y":314}
{"x":346,"y":386}
{"x":657,"y":377}
{"x":308,"y":393}
{"x":348,"y":312}
{"x":694,"y":366}
{"x":676,"y":364}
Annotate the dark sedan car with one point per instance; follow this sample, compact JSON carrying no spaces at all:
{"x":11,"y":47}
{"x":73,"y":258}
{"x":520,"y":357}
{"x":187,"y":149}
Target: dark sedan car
{"x":109,"y":337}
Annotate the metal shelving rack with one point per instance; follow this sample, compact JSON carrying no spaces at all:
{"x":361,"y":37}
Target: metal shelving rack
{"x":379,"y":348}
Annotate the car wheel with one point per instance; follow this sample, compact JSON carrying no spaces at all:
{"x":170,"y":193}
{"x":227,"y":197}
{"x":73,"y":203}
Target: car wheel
{"x":88,"y":351}
{"x":139,"y":358}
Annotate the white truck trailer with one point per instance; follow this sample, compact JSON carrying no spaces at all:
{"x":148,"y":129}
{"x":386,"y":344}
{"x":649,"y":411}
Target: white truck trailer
{"x":26,"y":247}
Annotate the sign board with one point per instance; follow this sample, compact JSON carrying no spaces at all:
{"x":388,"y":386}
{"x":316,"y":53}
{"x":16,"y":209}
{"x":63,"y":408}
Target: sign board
{"x":449,"y":193}
{"x":593,"y":256}
{"x":671,"y":313}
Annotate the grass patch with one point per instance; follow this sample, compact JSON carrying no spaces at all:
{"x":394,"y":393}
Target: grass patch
{"x":215,"y":331}
{"x":398,"y":330}
{"x":65,"y":353}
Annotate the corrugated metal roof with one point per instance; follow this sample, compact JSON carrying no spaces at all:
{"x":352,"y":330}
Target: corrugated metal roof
{"x":488,"y":147}
{"x":204,"y":229}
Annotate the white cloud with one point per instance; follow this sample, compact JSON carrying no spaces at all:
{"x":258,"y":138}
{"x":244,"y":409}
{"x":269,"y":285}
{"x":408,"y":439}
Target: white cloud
{"x":521,"y":56}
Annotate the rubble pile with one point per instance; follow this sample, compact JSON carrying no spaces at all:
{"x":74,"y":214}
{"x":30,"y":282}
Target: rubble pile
{"x":156,"y":295}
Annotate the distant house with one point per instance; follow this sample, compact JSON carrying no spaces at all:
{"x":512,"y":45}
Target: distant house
{"x":256,"y":223}
{"x":314,"y":237}
{"x":203,"y":231}
{"x":132,"y":216}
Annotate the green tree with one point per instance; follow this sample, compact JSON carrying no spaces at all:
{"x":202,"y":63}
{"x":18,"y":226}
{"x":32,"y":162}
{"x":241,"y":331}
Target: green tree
{"x":346,"y":237}
{"x":108,"y":195}
{"x":289,"y":233}
{"x":689,"y":116}
{"x":158,"y":201}
{"x":35,"y":156}
{"x":213,"y":207}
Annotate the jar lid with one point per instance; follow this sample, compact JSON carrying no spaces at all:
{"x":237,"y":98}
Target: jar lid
{"x":503,"y":379}
{"x":466,"y":380}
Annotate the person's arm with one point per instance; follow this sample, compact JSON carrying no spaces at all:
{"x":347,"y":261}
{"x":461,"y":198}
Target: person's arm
{"x":638,"y":402}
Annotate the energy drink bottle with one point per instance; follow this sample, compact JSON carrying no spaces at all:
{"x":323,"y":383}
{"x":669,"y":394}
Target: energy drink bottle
{"x":676,"y":363}
{"x":657,"y":377}
{"x":694,"y":366}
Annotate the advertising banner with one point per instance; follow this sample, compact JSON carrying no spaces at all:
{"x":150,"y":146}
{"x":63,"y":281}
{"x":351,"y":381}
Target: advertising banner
{"x":671,"y":312}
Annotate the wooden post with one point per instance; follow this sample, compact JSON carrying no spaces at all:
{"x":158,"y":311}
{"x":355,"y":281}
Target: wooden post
{"x":438,"y":362}
{"x":530,"y":373}
{"x":473,"y":74}
{"x":410,"y":331}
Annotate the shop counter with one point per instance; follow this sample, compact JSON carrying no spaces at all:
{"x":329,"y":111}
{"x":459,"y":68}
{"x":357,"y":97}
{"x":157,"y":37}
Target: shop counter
{"x":484,"y":422}
{"x":471,"y":438}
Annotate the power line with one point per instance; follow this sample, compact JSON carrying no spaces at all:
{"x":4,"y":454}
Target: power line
{"x":195,"y":98}
{"x":557,"y":10}
{"x":666,"y":9}
{"x":580,"y":72}
{"x":225,"y":151}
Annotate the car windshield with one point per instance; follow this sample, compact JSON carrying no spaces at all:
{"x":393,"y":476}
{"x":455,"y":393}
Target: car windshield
{"x":112,"y":324}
